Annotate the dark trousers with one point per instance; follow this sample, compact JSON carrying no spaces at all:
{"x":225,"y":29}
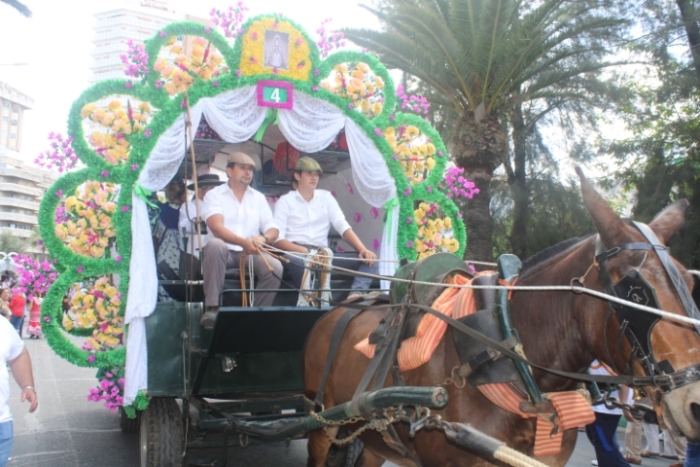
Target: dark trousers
{"x":16,"y":322}
{"x":602,"y":435}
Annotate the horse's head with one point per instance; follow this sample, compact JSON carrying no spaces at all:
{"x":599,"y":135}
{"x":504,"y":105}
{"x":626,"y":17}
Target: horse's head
{"x":633,"y":265}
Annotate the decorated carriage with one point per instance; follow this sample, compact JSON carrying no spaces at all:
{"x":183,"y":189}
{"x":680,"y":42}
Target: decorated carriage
{"x":265,"y":88}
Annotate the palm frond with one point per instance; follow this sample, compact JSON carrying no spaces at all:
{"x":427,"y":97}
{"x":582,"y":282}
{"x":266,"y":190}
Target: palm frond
{"x":22,"y":8}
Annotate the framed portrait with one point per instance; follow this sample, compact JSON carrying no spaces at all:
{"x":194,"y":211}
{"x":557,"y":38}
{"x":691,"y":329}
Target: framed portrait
{"x":276,"y":49}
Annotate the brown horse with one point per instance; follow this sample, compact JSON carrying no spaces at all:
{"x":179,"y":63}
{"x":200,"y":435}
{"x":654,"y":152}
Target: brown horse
{"x":559,"y":330}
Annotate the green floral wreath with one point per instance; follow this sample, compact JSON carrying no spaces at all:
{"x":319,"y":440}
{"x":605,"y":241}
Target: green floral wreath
{"x":133,"y":141}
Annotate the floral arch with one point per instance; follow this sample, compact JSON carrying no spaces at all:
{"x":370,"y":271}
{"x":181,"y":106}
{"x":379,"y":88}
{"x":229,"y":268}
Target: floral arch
{"x":130,"y":135}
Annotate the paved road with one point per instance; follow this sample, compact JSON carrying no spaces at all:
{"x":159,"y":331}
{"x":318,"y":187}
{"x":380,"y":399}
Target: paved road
{"x":69,"y":431}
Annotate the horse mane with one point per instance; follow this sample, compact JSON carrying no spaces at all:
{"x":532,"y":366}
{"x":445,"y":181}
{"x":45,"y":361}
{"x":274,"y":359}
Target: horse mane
{"x":549,"y":253}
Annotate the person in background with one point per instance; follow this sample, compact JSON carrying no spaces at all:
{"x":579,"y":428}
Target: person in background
{"x":602,"y":432}
{"x":15,"y":355}
{"x":189,"y":259}
{"x":34,"y":327}
{"x":17,"y":305}
{"x":4,"y":300}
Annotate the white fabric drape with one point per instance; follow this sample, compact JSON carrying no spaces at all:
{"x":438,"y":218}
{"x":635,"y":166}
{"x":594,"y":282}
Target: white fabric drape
{"x":310,"y":126}
{"x":235,"y":116}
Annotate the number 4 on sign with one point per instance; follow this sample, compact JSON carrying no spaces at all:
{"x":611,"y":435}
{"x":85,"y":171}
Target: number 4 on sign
{"x":275,"y":94}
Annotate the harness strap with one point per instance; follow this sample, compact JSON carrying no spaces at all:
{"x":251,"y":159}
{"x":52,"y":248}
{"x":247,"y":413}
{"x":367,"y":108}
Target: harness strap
{"x":337,"y":335}
{"x":673,"y":273}
{"x":666,"y":382}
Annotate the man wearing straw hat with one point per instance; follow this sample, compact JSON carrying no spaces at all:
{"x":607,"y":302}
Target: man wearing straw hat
{"x":239,"y":221}
{"x":189,"y":237}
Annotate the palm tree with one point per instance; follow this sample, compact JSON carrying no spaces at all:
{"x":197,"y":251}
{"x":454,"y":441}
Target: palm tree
{"x":22,"y":8}
{"x":486,"y":58}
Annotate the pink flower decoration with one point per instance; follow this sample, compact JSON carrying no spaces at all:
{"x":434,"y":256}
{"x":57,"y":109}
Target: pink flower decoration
{"x":378,"y":132}
{"x":159,"y":84}
{"x":351,"y":106}
{"x":129,"y":85}
{"x":125,"y":208}
{"x":375,"y":244}
{"x":47,"y":319}
{"x":375,"y":212}
{"x":91,"y":358}
{"x":314,"y":88}
{"x":339,"y":249}
{"x":80,"y":269}
{"x":118,"y":259}
{"x":134,"y":167}
{"x":317,"y":72}
{"x":409,"y":244}
{"x":239,"y":73}
{"x":254,"y":36}
{"x":357,"y":217}
{"x":407,"y":191}
{"x":429,"y":189}
{"x":104,"y":173}
{"x":161,"y":33}
{"x":215,"y":83}
{"x":409,"y":220}
{"x":147,"y":134}
{"x":350,"y":189}
{"x":333,"y":193}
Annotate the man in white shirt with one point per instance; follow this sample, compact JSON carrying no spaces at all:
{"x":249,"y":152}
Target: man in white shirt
{"x":304,"y":218}
{"x":187,"y":227}
{"x":13,"y":353}
{"x":239,"y":221}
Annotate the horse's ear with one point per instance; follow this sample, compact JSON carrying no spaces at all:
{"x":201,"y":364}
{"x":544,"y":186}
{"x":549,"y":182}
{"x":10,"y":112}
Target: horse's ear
{"x":608,"y":224}
{"x":670,"y":220}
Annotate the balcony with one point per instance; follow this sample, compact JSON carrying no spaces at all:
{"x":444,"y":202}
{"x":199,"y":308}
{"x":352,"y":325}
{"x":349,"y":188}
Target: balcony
{"x":19,"y":203}
{"x":15,"y":188}
{"x":14,"y":217}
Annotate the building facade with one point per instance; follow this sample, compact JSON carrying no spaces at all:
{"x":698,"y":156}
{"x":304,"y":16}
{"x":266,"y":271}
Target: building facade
{"x":13,"y":103}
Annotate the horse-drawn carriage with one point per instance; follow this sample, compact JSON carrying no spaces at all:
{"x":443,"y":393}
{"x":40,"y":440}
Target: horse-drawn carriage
{"x":424,"y":371}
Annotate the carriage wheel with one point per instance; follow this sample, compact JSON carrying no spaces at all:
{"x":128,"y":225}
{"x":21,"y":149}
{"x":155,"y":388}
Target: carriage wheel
{"x":162,"y":435}
{"x":129,"y":425}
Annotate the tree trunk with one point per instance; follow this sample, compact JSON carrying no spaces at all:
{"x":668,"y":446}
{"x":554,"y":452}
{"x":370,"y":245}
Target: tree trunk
{"x":518,"y":187}
{"x":477,"y":147}
{"x":690,"y":21}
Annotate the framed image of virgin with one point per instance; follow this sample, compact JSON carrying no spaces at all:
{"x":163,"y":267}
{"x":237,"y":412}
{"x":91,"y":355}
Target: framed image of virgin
{"x":276,"y":49}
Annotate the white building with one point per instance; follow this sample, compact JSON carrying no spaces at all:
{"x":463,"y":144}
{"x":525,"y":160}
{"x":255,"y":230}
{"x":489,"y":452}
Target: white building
{"x":135,"y":20}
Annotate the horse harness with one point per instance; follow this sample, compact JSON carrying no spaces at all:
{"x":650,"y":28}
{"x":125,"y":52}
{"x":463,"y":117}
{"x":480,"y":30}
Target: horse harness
{"x":636,"y":326}
{"x":400,"y":321}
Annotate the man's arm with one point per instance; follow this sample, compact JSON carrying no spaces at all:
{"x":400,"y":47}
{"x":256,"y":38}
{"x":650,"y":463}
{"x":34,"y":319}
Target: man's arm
{"x":21,"y":368}
{"x":351,"y":237}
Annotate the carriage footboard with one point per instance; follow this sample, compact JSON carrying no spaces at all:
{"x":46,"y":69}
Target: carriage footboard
{"x":370,"y":402}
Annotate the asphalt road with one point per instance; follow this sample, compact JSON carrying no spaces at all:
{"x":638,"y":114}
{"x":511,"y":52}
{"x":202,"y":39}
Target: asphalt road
{"x":69,"y":431}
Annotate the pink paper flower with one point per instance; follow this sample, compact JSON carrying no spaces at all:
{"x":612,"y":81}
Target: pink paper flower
{"x":357,"y":217}
{"x":375,"y":244}
{"x":375,"y":212}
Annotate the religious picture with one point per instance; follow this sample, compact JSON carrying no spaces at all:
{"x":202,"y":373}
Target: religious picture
{"x":276,"y":50}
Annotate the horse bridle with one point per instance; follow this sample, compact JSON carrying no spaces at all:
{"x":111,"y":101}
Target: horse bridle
{"x":636,"y":325}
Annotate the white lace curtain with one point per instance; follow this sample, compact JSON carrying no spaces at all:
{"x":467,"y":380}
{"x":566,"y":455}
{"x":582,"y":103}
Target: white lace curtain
{"x":310,"y":126}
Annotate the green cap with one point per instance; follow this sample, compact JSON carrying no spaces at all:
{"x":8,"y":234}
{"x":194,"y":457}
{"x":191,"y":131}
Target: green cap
{"x":307,"y":164}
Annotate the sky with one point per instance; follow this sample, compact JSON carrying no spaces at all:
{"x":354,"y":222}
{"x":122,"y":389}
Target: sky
{"x":56,"y":42}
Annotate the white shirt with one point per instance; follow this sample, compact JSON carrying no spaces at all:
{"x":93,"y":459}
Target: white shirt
{"x":11,"y":346}
{"x":246,"y":218}
{"x":598,"y":369}
{"x":308,"y":222}
{"x":190,"y":229}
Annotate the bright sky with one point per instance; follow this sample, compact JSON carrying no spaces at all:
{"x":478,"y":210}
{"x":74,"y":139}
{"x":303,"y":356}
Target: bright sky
{"x":56,"y":44}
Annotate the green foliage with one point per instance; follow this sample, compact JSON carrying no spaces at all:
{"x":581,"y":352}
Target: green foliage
{"x":11,"y":243}
{"x":556,"y":213}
